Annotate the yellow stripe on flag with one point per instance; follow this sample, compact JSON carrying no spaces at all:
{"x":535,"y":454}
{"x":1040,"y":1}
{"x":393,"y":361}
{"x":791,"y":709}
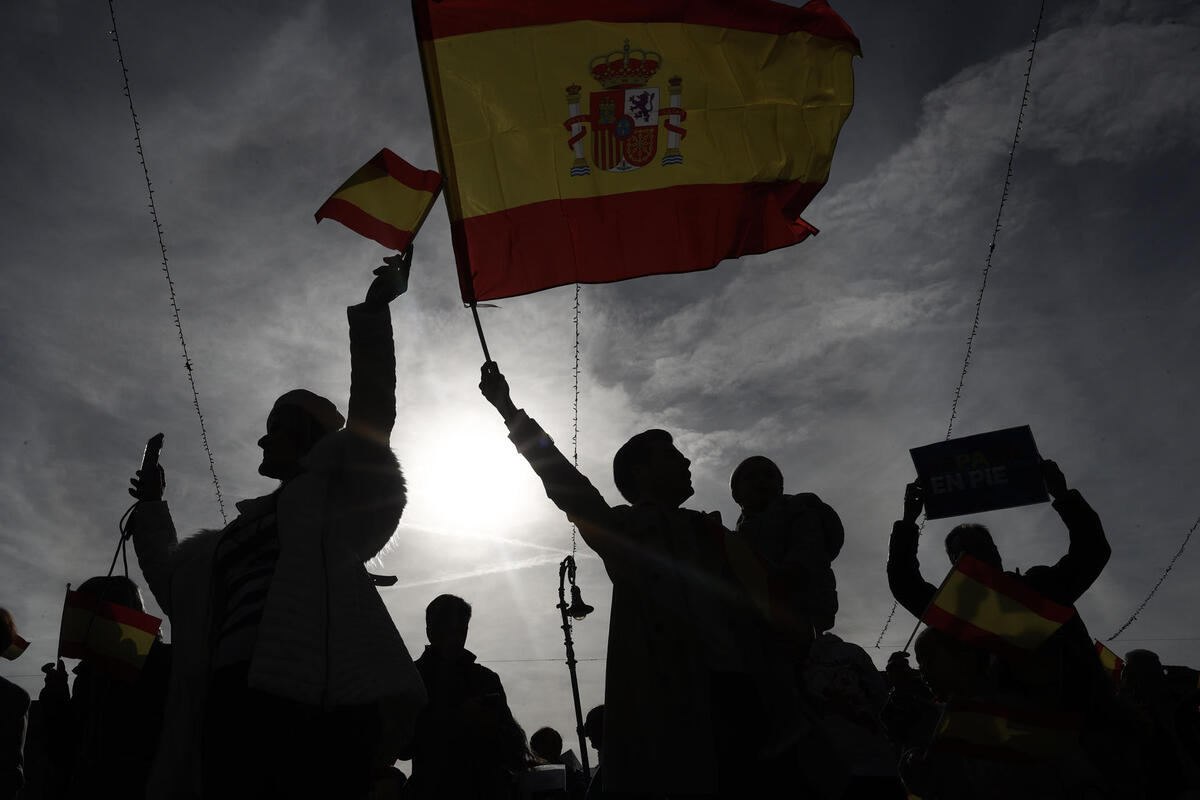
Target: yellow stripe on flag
{"x":377,"y":193}
{"x":759,"y":107}
{"x":15,"y":649}
{"x":982,"y":731}
{"x":994,"y":612}
{"x":114,"y":640}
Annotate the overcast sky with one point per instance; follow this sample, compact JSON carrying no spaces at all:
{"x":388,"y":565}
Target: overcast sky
{"x":833,"y":357}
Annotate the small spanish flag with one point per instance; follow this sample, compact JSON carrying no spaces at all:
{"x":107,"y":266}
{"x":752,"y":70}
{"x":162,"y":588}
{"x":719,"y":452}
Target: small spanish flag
{"x":15,"y":649}
{"x":387,"y":199}
{"x":981,"y":605}
{"x":115,"y":636}
{"x":999,"y":732}
{"x":1112,"y":663}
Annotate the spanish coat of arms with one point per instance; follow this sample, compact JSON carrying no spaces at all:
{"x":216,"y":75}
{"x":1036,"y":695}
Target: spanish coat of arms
{"x":624,"y":116}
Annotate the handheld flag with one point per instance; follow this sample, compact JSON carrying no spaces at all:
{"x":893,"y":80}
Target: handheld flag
{"x":592,"y":142}
{"x":1000,"y":732}
{"x":116,"y":636}
{"x":1112,"y":663}
{"x":986,"y":607}
{"x":15,"y":649}
{"x":387,"y":199}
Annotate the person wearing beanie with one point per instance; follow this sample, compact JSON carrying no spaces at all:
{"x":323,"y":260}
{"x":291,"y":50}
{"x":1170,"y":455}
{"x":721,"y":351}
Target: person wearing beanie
{"x":289,"y":677}
{"x":797,"y":533}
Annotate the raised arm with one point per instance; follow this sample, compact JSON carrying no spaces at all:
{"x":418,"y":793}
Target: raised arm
{"x":154,"y":537}
{"x":565,"y":485}
{"x":1088,"y":552}
{"x":903,"y":569}
{"x":372,"y":409}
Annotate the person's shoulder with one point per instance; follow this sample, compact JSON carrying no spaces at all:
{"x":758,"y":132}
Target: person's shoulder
{"x":13,"y":697}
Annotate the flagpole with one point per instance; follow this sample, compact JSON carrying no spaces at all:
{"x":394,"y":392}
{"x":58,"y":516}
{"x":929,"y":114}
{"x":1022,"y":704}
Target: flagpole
{"x":479,"y":328}
{"x":921,"y":618}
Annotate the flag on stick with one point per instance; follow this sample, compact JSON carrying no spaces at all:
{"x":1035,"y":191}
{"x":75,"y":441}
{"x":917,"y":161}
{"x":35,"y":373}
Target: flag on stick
{"x":387,"y":199}
{"x":989,"y":608}
{"x":117,"y":636}
{"x":597,"y":141}
{"x":999,"y":732}
{"x":1112,"y":663}
{"x":15,"y":649}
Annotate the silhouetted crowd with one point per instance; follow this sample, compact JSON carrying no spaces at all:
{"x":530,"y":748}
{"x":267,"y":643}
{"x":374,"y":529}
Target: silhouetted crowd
{"x":286,"y":676}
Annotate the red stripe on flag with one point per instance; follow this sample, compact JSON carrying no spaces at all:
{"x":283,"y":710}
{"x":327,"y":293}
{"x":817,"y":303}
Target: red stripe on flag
{"x":1013,"y":587}
{"x":522,"y":250}
{"x":424,"y":180}
{"x":436,"y":19}
{"x":363,"y":223}
{"x":937,"y":617}
{"x":106,"y":610}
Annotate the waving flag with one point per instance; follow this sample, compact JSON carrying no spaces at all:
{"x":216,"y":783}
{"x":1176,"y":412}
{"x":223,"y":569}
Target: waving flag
{"x":1000,"y":732}
{"x":598,"y":141}
{"x":15,"y":649}
{"x":980,"y":604}
{"x":116,"y":636}
{"x":1112,"y":663}
{"x":387,"y":199}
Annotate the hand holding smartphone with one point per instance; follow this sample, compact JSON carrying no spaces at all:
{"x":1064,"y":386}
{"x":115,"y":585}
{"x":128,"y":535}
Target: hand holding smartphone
{"x":149,"y":482}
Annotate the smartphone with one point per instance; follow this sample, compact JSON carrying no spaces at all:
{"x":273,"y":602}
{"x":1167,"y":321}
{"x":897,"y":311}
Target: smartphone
{"x":150,"y":456}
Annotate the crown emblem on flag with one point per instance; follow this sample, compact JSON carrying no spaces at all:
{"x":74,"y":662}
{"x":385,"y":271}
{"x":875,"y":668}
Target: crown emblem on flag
{"x":625,"y":115}
{"x":633,"y":69}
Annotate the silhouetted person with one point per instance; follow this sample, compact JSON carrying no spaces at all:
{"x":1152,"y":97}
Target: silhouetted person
{"x":466,"y":737}
{"x":593,"y":730}
{"x":102,"y":733}
{"x":1066,"y":671}
{"x":1165,"y":717}
{"x":547,"y":744}
{"x":796,"y":533}
{"x":682,"y":714}
{"x":289,"y":676}
{"x":14,"y":718}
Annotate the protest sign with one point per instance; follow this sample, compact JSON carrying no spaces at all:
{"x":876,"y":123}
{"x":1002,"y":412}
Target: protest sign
{"x":1000,"y":469}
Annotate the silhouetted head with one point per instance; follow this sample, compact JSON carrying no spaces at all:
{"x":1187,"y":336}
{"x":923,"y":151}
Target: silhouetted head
{"x":8,"y":630}
{"x":546,"y":743}
{"x":297,"y":421}
{"x":1142,"y":675}
{"x":446,"y":620}
{"x":755,"y":483}
{"x":950,"y":667}
{"x":974,"y":540}
{"x":117,"y":589}
{"x":593,"y":727}
{"x":648,"y":469}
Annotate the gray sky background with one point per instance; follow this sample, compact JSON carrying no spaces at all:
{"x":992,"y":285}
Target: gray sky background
{"x":833,"y":357}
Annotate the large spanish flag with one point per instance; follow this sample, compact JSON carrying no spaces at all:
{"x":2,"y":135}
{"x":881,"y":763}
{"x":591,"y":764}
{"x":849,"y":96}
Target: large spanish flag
{"x":1001,"y":732}
{"x":116,"y":636}
{"x":386,"y":199}
{"x":600,"y":140}
{"x":980,"y":604}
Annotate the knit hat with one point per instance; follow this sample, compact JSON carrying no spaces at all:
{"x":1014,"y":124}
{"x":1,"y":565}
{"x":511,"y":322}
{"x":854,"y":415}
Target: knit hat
{"x":323,"y":411}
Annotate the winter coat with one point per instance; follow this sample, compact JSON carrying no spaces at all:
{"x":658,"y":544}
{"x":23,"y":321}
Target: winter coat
{"x":325,"y":637}
{"x":677,"y":618}
{"x":801,"y":535}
